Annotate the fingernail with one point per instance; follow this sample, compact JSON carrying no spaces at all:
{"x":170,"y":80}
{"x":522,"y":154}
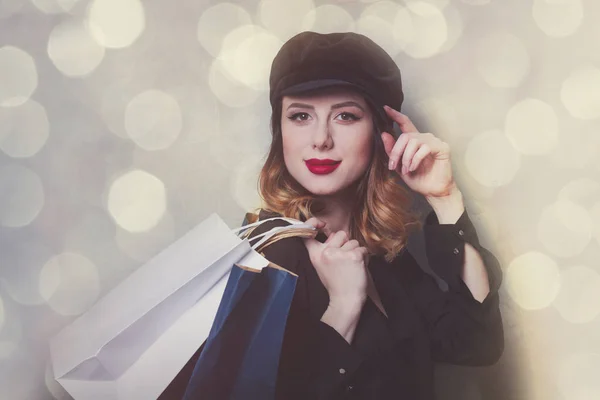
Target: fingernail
{"x":404,"y":170}
{"x":391,"y":164}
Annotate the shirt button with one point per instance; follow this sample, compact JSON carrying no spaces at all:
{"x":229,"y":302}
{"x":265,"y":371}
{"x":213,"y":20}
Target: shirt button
{"x":456,"y":251}
{"x":342,"y":371}
{"x":461,"y":232}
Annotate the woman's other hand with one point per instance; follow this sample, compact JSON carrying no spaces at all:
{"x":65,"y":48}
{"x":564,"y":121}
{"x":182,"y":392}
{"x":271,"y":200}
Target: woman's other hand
{"x":421,"y":159}
{"x":340,"y":264}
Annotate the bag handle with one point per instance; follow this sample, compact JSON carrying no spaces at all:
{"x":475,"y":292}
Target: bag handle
{"x":296,"y":228}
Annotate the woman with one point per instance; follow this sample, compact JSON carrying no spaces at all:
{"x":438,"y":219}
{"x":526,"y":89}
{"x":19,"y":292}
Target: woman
{"x":366,"y":322}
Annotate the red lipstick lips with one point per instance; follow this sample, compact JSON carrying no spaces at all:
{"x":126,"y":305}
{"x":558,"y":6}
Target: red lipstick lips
{"x":322,"y":166}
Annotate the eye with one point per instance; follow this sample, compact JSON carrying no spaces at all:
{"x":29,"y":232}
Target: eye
{"x":301,"y":116}
{"x":348,"y":116}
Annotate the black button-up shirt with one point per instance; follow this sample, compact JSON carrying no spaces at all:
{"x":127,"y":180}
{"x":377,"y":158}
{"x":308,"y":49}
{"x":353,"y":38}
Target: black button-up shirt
{"x":389,"y":358}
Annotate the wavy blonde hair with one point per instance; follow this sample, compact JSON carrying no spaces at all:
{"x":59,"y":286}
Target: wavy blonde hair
{"x":382,"y":218}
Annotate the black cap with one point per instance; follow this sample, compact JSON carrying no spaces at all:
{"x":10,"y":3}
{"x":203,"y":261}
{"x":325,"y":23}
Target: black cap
{"x":311,"y":60}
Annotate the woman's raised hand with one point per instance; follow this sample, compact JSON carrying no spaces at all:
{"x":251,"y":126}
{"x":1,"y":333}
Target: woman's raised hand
{"x":340,"y":264}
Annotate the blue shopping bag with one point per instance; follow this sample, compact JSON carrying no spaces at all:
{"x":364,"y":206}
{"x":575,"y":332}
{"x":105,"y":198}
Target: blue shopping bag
{"x":240,"y":357}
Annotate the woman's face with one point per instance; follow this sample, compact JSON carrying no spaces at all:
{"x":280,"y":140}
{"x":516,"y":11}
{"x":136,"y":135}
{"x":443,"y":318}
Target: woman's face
{"x":333,"y":125}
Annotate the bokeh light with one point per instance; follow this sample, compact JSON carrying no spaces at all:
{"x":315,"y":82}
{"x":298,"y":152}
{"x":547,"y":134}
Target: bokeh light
{"x":244,"y":185}
{"x":73,"y":50}
{"x":137,"y":201}
{"x":247,"y":54}
{"x":141,"y":246}
{"x":532,"y":127}
{"x":69,"y":283}
{"x":533,"y":280}
{"x":328,"y":18}
{"x":19,"y":76}
{"x":153,"y":120}
{"x":564,"y":228}
{"x":285,"y":18}
{"x":578,"y":301}
{"x":116,"y":23}
{"x":24,"y":129}
{"x":582,"y":191}
{"x":217,"y":21}
{"x":578,"y":376}
{"x":491,"y":159}
{"x":558,"y":18}
{"x":388,"y":24}
{"x":430,"y":30}
{"x":228,"y":90}
{"x":502,"y":60}
{"x":21,"y":196}
{"x":580,"y":92}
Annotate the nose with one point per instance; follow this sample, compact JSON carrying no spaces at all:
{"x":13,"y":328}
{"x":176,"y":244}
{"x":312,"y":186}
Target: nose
{"x":322,"y":136}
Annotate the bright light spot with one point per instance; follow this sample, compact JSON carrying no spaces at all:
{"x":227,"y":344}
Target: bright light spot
{"x":582,"y":191}
{"x":137,"y":201}
{"x":23,"y":129}
{"x":328,"y":18}
{"x":579,"y":298}
{"x":228,"y":90}
{"x":387,"y":24}
{"x":430,"y":30}
{"x":217,"y":21}
{"x":73,"y":51}
{"x":580,"y":93}
{"x":564,"y":228}
{"x":558,"y":18}
{"x":153,"y":120}
{"x":502,"y":60}
{"x":21,"y":196}
{"x":285,"y":18}
{"x":578,"y":376}
{"x":19,"y":76}
{"x":69,"y":283}
{"x":247,"y":55}
{"x":533,"y":280}
{"x":116,"y":23}
{"x":532,"y":127}
{"x":142,"y":246}
{"x":454,"y":24}
{"x":201,"y":112}
{"x":491,"y":159}
{"x":244,"y":187}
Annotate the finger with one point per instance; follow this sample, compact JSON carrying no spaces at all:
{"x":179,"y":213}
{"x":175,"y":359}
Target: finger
{"x":351,"y":245}
{"x":388,"y":142}
{"x":337,"y":239}
{"x":314,"y":221}
{"x":423,"y":152}
{"x":397,"y":151}
{"x":411,"y":148}
{"x":311,"y":244}
{"x":402,"y":120}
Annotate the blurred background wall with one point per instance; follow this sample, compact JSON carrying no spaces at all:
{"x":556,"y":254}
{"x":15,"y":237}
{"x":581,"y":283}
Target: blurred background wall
{"x":123,"y":123}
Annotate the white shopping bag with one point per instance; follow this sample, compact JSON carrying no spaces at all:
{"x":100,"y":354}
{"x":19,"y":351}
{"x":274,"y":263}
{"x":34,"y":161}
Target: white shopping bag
{"x":134,"y":340}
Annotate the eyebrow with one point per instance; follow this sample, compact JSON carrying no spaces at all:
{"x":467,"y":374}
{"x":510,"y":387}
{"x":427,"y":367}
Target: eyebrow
{"x":333,"y":107}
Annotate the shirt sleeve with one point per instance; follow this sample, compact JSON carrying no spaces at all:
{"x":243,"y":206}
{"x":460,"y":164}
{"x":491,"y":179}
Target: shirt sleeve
{"x":316,"y":361}
{"x":461,"y":329}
